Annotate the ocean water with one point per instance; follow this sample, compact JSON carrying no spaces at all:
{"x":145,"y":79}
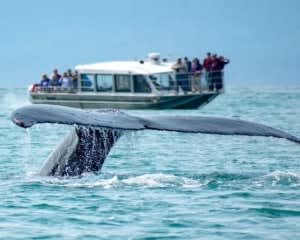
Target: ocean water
{"x":159,"y":185}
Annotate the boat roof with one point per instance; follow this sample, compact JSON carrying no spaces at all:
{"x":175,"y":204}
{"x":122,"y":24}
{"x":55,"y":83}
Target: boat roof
{"x":125,"y":67}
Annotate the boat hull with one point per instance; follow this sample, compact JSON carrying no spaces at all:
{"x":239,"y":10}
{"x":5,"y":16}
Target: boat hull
{"x":93,"y":101}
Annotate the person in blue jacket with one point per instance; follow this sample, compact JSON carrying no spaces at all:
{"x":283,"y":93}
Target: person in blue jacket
{"x":45,"y":82}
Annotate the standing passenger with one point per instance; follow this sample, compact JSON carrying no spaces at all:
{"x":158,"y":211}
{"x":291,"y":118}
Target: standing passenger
{"x":65,"y":81}
{"x":207,"y":66}
{"x":55,"y":74}
{"x":187,"y":64}
{"x":181,"y":76}
{"x":75,"y":80}
{"x":55,"y":79}
{"x":222,"y":62}
{"x":214,"y":75}
{"x":70,"y":74}
{"x":45,"y":82}
{"x":188,"y":78}
{"x":207,"y":62}
{"x":196,"y":76}
{"x":214,"y":63}
{"x":178,"y":67}
{"x":219,"y":74}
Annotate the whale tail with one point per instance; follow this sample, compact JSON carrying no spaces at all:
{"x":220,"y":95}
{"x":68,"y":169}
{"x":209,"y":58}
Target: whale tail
{"x":87,"y":146}
{"x":84,"y":149}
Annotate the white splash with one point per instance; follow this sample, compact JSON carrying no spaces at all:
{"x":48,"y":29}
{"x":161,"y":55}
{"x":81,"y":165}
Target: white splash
{"x":158,"y":180}
{"x":276,"y":178}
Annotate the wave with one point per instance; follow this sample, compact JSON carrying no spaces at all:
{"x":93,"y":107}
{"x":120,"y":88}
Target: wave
{"x":275,"y":212}
{"x":156,"y":180}
{"x":215,"y":180}
{"x":279,"y":178}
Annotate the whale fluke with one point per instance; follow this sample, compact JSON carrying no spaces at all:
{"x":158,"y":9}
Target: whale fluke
{"x":86,"y":147}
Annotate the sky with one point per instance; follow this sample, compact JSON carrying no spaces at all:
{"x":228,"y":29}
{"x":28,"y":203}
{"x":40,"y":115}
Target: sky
{"x":261,"y":37}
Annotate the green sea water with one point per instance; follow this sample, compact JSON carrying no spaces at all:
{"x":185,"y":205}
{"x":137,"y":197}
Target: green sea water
{"x":159,"y":185}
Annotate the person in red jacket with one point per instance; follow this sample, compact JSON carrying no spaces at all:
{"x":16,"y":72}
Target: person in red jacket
{"x":207,"y":62}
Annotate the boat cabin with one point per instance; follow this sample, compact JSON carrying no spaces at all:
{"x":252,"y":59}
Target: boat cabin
{"x":138,"y":77}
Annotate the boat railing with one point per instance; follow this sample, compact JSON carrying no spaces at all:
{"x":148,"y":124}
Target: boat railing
{"x":192,"y":82}
{"x":52,"y":89}
{"x":212,"y":81}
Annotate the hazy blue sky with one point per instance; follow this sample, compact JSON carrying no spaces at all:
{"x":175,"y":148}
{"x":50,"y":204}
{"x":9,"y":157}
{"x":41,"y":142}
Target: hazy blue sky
{"x":261,"y":37}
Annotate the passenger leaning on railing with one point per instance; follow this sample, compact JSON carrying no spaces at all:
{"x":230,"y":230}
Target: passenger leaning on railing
{"x":222,"y":62}
{"x":213,"y":66}
{"x":207,"y":62}
{"x":181,"y":75}
{"x":216,"y":78}
{"x":66,"y":81}
{"x":187,"y":64}
{"x":73,"y":78}
{"x":45,"y":82}
{"x":196,"y":69}
{"x":55,"y":79}
{"x":179,"y":67}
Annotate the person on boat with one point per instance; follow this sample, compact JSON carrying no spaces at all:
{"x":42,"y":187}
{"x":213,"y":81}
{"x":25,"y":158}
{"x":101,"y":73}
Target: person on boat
{"x":187,"y":64}
{"x":178,"y":67}
{"x":181,"y":75}
{"x":207,"y":62}
{"x":218,"y":74}
{"x":55,"y":79}
{"x":214,"y":73}
{"x":196,"y":69}
{"x":70,"y":73}
{"x":55,"y":74}
{"x":45,"y":82}
{"x":222,"y":62}
{"x":66,"y":81}
{"x":214,"y":63}
{"x":75,"y":80}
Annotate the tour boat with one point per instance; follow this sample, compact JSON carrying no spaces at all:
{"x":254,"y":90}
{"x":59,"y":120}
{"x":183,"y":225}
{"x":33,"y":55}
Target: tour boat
{"x":143,"y":84}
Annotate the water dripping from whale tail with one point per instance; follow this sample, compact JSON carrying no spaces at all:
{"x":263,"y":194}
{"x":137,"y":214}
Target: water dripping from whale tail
{"x":84,"y":149}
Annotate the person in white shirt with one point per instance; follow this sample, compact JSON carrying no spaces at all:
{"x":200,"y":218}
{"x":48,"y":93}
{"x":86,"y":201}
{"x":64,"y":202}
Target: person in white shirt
{"x":65,"y":81}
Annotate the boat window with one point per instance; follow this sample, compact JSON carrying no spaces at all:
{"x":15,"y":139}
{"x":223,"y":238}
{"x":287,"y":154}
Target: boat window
{"x":140,"y":84}
{"x":163,"y":81}
{"x":104,"y":82}
{"x":122,"y":83}
{"x":87,"y":82}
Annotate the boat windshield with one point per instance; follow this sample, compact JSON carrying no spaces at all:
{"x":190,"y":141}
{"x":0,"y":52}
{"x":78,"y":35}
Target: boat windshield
{"x":163,"y":81}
